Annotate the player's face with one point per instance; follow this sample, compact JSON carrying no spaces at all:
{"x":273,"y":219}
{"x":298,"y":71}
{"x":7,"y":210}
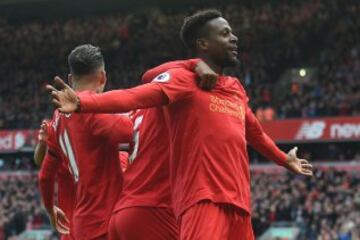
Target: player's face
{"x":221,"y":43}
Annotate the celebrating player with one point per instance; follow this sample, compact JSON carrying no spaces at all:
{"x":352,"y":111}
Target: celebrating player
{"x":209,"y":131}
{"x":89,"y":144}
{"x":143,"y":211}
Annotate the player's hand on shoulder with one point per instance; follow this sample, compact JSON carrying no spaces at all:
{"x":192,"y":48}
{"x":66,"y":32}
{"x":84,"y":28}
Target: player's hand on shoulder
{"x":59,"y":221}
{"x":63,"y":96}
{"x":43,"y":132}
{"x":207,"y":78}
{"x":298,"y":165}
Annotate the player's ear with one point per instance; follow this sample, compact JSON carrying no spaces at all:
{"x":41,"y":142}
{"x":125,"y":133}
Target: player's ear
{"x":70,"y":79}
{"x":103,"y":77}
{"x":202,"y":44}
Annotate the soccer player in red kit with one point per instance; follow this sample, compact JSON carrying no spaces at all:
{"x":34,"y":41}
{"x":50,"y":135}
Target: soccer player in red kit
{"x":90,"y":143}
{"x":60,"y":215}
{"x":143,"y":211}
{"x":54,"y":169}
{"x":209,"y":167}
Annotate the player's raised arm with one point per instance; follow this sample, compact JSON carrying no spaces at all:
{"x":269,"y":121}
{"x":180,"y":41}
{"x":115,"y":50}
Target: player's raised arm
{"x":41,"y":147}
{"x":170,"y":86}
{"x":262,"y":143}
{"x":144,"y":96}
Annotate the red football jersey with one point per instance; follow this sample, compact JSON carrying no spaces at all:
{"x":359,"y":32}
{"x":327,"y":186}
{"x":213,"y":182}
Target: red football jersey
{"x":209,"y":132}
{"x":53,"y":165}
{"x":146,"y":181}
{"x":124,"y":160}
{"x":90,"y":144}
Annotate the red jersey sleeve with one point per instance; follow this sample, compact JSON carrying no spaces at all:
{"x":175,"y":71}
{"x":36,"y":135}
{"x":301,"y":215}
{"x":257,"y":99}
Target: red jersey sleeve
{"x":177,"y":84}
{"x":47,"y":175}
{"x":260,"y":141}
{"x":114,"y":127}
{"x":144,"y":96}
{"x":186,"y":64}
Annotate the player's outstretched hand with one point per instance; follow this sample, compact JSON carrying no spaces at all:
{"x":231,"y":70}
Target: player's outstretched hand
{"x":43,"y":132}
{"x":59,"y":221}
{"x":207,"y":77}
{"x":297,"y":165}
{"x":65,"y":99}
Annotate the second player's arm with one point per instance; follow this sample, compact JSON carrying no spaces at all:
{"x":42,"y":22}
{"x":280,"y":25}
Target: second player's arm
{"x":172,"y":86}
{"x":260,"y":141}
{"x":39,"y":153}
{"x":144,"y":96}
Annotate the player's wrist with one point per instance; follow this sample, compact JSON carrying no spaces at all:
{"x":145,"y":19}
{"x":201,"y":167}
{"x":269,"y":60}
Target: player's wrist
{"x":42,"y":140}
{"x":78,"y":104}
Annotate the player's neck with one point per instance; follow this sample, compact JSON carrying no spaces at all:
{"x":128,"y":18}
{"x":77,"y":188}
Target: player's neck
{"x":216,"y":68}
{"x":84,"y":85}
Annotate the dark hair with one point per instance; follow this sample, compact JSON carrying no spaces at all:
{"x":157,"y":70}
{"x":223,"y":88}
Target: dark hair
{"x":193,"y":25}
{"x":85,"y":59}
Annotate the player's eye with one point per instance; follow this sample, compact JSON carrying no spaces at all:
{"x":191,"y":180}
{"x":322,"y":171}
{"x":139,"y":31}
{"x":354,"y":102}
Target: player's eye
{"x":226,"y":32}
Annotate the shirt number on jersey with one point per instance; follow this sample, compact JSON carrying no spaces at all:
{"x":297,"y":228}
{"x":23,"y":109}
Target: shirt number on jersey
{"x":136,"y":138}
{"x":69,"y":153}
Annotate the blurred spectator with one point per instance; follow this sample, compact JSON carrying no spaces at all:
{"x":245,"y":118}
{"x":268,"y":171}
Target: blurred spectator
{"x":274,"y":36}
{"x":20,"y":206}
{"x":325,"y":206}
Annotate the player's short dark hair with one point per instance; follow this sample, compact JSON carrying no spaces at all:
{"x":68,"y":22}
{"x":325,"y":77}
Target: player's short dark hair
{"x":193,"y":26}
{"x":85,"y":59}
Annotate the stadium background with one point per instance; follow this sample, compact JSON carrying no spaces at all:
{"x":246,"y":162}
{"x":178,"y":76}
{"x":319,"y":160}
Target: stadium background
{"x":300,"y":64}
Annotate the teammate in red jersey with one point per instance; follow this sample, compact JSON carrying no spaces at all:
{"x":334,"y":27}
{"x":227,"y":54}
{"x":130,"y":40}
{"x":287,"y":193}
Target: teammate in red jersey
{"x":89,"y":143}
{"x":52,"y":170}
{"x":209,"y":131}
{"x":145,"y":202}
{"x":60,"y":215}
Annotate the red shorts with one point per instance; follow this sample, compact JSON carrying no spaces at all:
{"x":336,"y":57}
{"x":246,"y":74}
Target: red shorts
{"x":213,"y":221}
{"x":143,"y":223}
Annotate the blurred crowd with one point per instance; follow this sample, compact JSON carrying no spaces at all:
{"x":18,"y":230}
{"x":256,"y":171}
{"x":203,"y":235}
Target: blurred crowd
{"x":17,"y":162}
{"x":325,"y":207}
{"x":20,"y":206}
{"x":274,"y":36}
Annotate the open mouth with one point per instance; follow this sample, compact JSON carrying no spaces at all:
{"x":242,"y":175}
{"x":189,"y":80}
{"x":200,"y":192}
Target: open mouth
{"x":234,"y":51}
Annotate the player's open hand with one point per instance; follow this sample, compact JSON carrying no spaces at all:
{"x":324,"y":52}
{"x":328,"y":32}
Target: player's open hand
{"x":43,"y":132}
{"x":207,"y":77}
{"x":59,"y":221}
{"x":64,"y":97}
{"x":297,"y":165}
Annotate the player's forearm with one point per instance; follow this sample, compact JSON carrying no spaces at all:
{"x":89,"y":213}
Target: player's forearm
{"x":261,"y":142}
{"x":40,"y":151}
{"x":117,"y":101}
{"x":46,"y":185}
{"x":152,"y":73}
{"x":266,"y":146}
{"x":46,"y":176}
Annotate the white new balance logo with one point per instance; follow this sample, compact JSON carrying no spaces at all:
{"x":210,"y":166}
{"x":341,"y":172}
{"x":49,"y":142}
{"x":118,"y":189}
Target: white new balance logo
{"x":311,"y":130}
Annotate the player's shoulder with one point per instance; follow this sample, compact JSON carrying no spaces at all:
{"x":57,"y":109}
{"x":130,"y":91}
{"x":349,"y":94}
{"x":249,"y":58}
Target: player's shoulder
{"x":174,"y":74}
